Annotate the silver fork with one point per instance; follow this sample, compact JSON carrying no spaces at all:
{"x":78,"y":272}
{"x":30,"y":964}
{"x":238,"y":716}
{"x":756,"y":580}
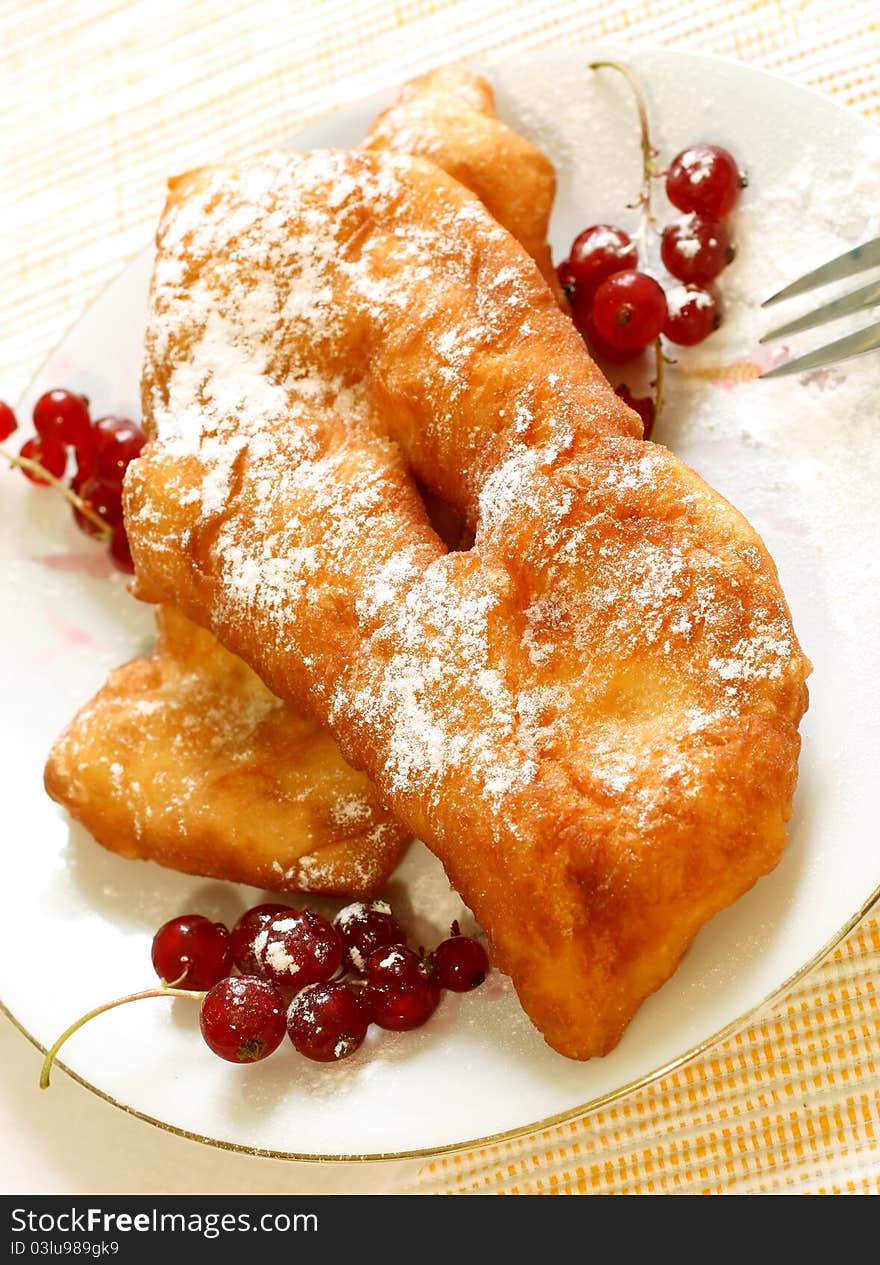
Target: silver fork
{"x":868,"y":339}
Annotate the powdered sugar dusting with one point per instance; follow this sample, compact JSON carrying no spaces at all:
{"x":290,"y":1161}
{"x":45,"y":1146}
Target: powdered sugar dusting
{"x":607,"y":591}
{"x":225,"y":391}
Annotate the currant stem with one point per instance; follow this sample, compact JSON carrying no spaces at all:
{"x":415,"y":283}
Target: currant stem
{"x":34,"y":467}
{"x":649,"y":151}
{"x":175,"y":983}
{"x":99,"y":1010}
{"x":659,"y":361}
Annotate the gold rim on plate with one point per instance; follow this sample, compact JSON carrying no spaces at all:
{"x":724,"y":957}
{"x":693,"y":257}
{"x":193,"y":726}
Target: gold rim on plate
{"x":519,"y":1131}
{"x":492,"y":1139}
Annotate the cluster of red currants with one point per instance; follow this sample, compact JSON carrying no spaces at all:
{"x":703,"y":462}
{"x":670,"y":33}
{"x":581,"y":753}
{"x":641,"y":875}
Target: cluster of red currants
{"x":621,"y":310}
{"x":323,"y":983}
{"x":101,"y":451}
{"x":345,"y":975}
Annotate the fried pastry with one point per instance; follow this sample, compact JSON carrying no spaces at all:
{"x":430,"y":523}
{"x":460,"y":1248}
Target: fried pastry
{"x":590,"y":716}
{"x":448,"y":116}
{"x":185,"y":758}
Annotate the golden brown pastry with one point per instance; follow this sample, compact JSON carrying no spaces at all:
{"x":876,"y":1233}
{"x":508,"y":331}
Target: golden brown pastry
{"x":185,"y":758}
{"x":590,"y":716}
{"x":450,"y":113}
{"x":448,"y":116}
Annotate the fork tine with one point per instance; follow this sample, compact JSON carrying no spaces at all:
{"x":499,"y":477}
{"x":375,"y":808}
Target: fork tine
{"x":867,"y":296}
{"x":865,"y":256}
{"x":867,"y":339}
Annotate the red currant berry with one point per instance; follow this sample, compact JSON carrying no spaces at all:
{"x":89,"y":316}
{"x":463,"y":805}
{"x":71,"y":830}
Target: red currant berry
{"x":402,"y":1005}
{"x":565,"y":277}
{"x":629,"y":310}
{"x":114,"y":444}
{"x":245,"y":932}
{"x":120,"y":550}
{"x":242,"y":1020}
{"x":103,"y":499}
{"x":582,"y":315}
{"x":7,"y":421}
{"x":47,"y":453}
{"x":62,"y":416}
{"x":401,"y":992}
{"x":460,"y":963}
{"x":597,"y":253}
{"x":694,"y":314}
{"x":327,"y":1022}
{"x":705,"y":179}
{"x":695,"y":250}
{"x":643,"y":405}
{"x":364,"y":927}
{"x":395,"y":964}
{"x":191,"y":951}
{"x":298,"y":947}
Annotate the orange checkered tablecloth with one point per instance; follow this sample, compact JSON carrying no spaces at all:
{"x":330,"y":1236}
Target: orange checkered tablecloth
{"x":101,"y":100}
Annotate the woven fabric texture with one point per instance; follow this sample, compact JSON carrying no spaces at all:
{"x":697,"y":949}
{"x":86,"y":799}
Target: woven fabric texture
{"x":103,"y":99}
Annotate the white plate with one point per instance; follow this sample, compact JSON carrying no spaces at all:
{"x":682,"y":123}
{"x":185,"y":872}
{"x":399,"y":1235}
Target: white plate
{"x":800,"y":458}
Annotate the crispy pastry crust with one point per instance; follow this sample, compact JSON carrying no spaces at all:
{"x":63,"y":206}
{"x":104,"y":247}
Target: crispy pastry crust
{"x":448,"y":116}
{"x":185,"y":758}
{"x":291,"y":814}
{"x":591,"y":716}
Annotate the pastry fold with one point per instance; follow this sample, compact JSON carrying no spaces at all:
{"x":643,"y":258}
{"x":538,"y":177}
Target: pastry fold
{"x":281,"y":809}
{"x":591,"y":715}
{"x":448,"y":116}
